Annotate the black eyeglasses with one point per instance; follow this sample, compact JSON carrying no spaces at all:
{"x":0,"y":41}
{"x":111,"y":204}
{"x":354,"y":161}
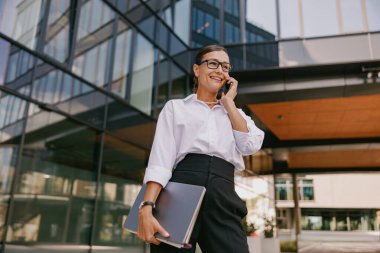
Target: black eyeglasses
{"x":214,"y":64}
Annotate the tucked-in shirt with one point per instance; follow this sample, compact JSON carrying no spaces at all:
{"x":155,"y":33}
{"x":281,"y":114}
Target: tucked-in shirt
{"x":189,"y":126}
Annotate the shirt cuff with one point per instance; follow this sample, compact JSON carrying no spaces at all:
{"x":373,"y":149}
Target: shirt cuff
{"x":242,"y":136}
{"x":157,"y":174}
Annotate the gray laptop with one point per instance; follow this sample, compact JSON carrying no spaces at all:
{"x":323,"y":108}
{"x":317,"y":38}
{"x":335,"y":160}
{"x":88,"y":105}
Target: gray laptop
{"x":177,"y":208}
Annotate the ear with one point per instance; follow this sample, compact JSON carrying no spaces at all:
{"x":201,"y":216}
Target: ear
{"x":196,"y":70}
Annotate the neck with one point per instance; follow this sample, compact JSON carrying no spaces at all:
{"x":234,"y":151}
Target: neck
{"x":207,"y":97}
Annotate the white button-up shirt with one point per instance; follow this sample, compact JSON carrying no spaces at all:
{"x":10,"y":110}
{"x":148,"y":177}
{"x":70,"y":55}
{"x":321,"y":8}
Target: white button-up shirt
{"x":189,"y":126}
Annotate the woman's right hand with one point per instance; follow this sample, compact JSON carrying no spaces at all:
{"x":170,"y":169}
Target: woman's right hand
{"x":149,"y":226}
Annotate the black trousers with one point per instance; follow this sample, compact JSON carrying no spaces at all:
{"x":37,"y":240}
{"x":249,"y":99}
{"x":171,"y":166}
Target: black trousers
{"x":218,"y":227}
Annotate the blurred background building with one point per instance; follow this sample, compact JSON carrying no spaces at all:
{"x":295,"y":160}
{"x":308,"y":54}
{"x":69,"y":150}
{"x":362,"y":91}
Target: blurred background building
{"x":83,"y":81}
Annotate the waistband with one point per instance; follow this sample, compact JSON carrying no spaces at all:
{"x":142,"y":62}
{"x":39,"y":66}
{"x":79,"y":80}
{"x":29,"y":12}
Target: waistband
{"x":207,"y":164}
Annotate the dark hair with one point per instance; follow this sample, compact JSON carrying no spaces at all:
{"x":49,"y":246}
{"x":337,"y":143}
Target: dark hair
{"x":198,"y":58}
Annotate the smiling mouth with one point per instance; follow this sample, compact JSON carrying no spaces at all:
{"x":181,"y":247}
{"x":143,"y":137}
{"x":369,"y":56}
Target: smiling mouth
{"x":216,"y":78}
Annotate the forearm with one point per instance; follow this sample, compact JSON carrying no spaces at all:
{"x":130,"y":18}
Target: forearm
{"x":237,"y":121}
{"x":152,"y":191}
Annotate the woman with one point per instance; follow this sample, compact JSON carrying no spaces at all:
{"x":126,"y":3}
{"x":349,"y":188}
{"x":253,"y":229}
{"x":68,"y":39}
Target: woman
{"x":204,"y":140}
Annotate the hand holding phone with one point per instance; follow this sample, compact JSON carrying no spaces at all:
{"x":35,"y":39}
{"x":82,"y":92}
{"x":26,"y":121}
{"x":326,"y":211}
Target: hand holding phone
{"x":224,"y":89}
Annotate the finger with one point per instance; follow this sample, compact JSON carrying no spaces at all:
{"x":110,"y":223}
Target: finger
{"x":153,"y":240}
{"x":162,"y":231}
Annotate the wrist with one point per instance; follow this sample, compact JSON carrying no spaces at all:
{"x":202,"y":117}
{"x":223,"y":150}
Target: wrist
{"x":146,"y":211}
{"x":227,"y":101}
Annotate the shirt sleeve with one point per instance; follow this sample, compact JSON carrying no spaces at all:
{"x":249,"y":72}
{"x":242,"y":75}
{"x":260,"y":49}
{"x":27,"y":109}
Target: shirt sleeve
{"x":248,"y":143}
{"x":163,"y":153}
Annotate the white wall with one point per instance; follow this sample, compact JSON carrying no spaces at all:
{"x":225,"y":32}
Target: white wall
{"x":345,"y":191}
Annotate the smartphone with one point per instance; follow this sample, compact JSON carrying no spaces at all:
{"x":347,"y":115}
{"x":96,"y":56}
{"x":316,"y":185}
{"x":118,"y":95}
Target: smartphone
{"x":224,"y":90}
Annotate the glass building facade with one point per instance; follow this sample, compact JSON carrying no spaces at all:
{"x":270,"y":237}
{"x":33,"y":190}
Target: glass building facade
{"x":82,"y":82}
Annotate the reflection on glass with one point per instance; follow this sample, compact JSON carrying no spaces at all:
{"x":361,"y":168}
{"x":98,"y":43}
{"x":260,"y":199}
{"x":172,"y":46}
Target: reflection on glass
{"x":232,"y":7}
{"x":20,"y":20}
{"x":314,"y":25}
{"x":182,"y":19}
{"x":54,"y":196}
{"x":373,"y":9}
{"x":119,"y":187}
{"x":289,"y":19}
{"x":53,"y":87}
{"x":4,"y":49}
{"x":178,"y":82}
{"x":58,"y":30}
{"x":142,"y":77}
{"x":205,"y":25}
{"x":93,"y":38}
{"x":122,"y":59}
{"x":92,"y":64}
{"x":8,"y":157}
{"x":20,"y":63}
{"x":262,"y":14}
{"x":231,"y":33}
{"x":163,"y":81}
{"x":12,"y":110}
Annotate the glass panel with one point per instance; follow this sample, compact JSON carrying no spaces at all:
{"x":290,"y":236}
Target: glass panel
{"x":308,"y":193}
{"x":142,"y":77}
{"x":289,"y":18}
{"x":166,"y":15}
{"x":341,"y":221}
{"x":231,"y":32}
{"x":21,"y":20}
{"x":129,"y":124}
{"x":163,"y":81}
{"x":355,"y":221}
{"x":4,"y":64}
{"x":122,"y":172}
{"x":58,"y":89}
{"x":182,"y":19}
{"x":93,"y":41}
{"x":261,"y":14}
{"x":57,"y":179}
{"x":12,"y":111}
{"x":206,"y":24}
{"x":178,"y":82}
{"x":162,"y":36}
{"x":147,"y":25}
{"x":352,"y":16}
{"x":232,"y":7}
{"x":122,"y":59}
{"x":262,"y":55}
{"x":373,"y":9}
{"x":236,"y":57}
{"x":15,"y":66}
{"x":314,"y":25}
{"x":57,"y":37}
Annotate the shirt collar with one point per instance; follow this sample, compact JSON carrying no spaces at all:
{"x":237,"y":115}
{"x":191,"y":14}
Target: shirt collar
{"x":193,"y":97}
{"x":190,"y":98}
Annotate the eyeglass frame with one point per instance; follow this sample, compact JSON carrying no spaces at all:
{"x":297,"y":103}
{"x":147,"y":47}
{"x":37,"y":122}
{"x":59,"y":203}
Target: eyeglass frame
{"x":219,"y":64}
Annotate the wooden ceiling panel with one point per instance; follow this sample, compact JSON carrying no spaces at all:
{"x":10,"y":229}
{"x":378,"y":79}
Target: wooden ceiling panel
{"x":350,"y":117}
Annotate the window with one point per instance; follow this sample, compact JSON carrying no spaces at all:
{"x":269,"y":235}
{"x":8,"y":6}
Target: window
{"x":306,"y":189}
{"x":284,"y":189}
